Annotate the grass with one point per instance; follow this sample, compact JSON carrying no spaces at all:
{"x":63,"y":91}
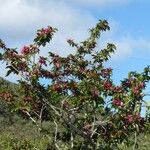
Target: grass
{"x":24,"y":135}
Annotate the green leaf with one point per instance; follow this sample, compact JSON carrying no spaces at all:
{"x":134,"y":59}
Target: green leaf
{"x":11,"y":70}
{"x":8,"y":73}
{"x":1,"y":56}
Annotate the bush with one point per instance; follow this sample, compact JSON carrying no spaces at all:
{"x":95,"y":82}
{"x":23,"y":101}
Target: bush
{"x":80,"y":95}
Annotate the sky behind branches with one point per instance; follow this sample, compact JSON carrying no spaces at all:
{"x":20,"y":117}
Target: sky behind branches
{"x":128,"y":19}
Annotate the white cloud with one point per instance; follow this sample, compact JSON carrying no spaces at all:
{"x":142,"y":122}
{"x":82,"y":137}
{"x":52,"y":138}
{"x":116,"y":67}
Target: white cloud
{"x":124,"y":50}
{"x":21,"y":18}
{"x":101,"y":3}
{"x":130,"y":47}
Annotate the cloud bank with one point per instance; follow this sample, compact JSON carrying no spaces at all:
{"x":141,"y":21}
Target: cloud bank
{"x":21,"y":18}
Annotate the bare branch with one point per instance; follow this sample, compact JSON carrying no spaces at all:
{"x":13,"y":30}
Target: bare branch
{"x":56,"y":131}
{"x":33,"y":120}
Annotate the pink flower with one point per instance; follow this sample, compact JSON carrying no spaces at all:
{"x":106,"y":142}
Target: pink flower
{"x":117,"y":102}
{"x":22,"y":66}
{"x":42,"y":61}
{"x":31,"y":49}
{"x":57,"y":64}
{"x":129,"y":119}
{"x":45,"y":31}
{"x":25,"y":50}
{"x":107,"y":85}
{"x":117,"y":89}
{"x":136,"y":90}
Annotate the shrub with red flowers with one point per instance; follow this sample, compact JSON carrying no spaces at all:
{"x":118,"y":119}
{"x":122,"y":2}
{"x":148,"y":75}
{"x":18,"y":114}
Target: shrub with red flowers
{"x":80,"y":94}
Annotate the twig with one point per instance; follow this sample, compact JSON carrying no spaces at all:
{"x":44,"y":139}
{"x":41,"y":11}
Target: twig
{"x":81,"y":133}
{"x":93,"y":126}
{"x":135,"y":140}
{"x":72,"y":145}
{"x":56,"y":131}
{"x":33,"y":120}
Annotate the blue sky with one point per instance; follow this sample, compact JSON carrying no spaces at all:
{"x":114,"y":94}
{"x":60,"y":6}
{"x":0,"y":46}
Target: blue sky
{"x":128,"y":19}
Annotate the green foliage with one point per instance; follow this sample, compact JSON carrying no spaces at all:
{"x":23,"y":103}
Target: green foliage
{"x":22,"y":135}
{"x":7,"y":88}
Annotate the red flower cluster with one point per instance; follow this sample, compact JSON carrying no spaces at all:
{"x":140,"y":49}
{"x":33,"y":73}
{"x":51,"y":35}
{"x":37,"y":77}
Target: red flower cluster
{"x":22,"y":66}
{"x":117,"y":89}
{"x":137,"y":89}
{"x":6,"y":96}
{"x":42,"y":61}
{"x":107,"y":85}
{"x":44,"y":35}
{"x":63,"y":86}
{"x":29,"y":50}
{"x":129,"y":119}
{"x":45,"y":31}
{"x":25,"y":50}
{"x":13,"y":55}
{"x":117,"y":102}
